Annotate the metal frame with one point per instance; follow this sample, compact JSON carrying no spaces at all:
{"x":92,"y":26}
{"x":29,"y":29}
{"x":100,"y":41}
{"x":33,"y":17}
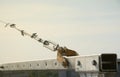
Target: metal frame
{"x":86,"y":66}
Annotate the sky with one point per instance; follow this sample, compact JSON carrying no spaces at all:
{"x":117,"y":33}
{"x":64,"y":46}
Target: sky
{"x":90,"y":27}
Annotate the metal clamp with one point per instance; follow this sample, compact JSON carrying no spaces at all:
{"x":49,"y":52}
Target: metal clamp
{"x":50,"y":45}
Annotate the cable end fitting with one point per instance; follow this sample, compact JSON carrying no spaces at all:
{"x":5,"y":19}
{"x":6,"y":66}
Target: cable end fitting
{"x":12,"y":25}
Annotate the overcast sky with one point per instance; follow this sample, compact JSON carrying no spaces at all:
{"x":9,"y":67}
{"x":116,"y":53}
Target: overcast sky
{"x":90,"y":27}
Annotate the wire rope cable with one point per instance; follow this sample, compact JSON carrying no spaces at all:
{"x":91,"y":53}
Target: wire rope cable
{"x":3,"y":22}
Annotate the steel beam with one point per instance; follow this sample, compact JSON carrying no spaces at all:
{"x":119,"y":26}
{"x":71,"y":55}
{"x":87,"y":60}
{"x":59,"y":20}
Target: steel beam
{"x":86,"y":66}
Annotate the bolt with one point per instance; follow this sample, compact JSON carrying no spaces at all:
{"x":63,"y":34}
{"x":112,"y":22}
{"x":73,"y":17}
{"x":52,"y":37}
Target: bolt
{"x":78,"y":63}
{"x":94,"y":62}
{"x":2,"y":67}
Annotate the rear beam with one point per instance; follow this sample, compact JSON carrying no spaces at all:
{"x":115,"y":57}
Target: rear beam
{"x":93,"y":63}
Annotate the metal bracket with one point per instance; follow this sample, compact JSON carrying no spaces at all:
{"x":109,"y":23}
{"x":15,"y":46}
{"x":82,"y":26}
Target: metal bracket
{"x":87,"y":64}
